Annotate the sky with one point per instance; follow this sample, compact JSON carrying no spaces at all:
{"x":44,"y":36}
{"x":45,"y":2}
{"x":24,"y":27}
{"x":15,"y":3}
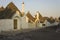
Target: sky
{"x":45,"y":7}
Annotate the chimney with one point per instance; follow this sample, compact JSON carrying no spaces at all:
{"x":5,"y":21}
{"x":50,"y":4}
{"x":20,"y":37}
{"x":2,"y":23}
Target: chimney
{"x":22,"y":8}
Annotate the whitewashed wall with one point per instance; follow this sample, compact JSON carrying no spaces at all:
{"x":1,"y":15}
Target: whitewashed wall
{"x":24,"y":24}
{"x":31,"y":25}
{"x":6,"y":24}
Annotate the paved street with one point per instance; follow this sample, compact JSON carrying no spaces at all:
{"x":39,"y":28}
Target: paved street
{"x":38,"y":34}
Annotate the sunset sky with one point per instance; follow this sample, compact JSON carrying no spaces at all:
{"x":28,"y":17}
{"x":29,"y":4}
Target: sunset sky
{"x":45,"y":7}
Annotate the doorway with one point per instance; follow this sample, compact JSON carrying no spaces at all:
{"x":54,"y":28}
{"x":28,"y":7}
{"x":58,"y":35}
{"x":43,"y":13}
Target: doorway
{"x":15,"y":23}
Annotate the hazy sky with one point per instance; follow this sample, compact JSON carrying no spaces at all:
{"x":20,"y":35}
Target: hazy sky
{"x":45,"y":7}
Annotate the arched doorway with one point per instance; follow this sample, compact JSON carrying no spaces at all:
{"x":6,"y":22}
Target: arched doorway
{"x":16,"y":22}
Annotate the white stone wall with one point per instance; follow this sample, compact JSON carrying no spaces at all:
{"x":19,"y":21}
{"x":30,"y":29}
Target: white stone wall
{"x":6,"y":24}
